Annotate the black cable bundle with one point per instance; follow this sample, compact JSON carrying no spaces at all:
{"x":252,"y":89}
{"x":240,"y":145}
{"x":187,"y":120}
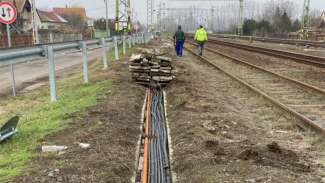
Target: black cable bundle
{"x":158,"y":159}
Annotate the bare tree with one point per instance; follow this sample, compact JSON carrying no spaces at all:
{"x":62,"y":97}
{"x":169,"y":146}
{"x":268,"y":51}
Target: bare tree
{"x":315,"y":17}
{"x":44,"y":8}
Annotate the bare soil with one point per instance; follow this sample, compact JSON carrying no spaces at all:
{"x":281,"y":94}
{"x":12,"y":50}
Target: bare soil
{"x":221,"y":132}
{"x":111,"y":128}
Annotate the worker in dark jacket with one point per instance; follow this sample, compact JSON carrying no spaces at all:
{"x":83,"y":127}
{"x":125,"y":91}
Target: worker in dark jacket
{"x":179,"y":39}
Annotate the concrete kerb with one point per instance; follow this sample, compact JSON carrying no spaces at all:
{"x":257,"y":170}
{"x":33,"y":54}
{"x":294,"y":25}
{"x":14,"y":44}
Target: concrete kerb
{"x":170,"y":145}
{"x":138,"y":148}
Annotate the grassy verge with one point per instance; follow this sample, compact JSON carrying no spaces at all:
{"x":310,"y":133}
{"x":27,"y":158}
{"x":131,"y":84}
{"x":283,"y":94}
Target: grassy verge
{"x":40,"y":117}
{"x":166,"y":33}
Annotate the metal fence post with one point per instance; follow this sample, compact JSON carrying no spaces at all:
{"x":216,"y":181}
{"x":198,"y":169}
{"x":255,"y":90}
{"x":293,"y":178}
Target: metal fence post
{"x":13,"y":79}
{"x":85,"y":62}
{"x":140,"y":38}
{"x":51,"y":38}
{"x":144,"y":39}
{"x":123,"y":38}
{"x":116,"y":48}
{"x":51,"y":65}
{"x":104,"y":52}
{"x":130,"y":39}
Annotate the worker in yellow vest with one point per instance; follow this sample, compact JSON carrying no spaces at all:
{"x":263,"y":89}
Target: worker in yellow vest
{"x":201,"y":38}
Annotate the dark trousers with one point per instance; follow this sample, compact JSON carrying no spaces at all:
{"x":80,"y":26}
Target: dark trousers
{"x":179,"y":47}
{"x":201,"y":46}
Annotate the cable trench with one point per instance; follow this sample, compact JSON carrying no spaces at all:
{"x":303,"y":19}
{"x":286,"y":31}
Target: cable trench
{"x":158,"y":159}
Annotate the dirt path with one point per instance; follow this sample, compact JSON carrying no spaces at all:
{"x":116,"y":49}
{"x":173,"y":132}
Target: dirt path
{"x":112,"y":130}
{"x":221,"y":132}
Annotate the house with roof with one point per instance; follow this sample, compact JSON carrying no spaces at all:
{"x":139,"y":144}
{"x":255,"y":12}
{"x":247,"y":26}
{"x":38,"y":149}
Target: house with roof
{"x":50,"y":20}
{"x":67,"y":11}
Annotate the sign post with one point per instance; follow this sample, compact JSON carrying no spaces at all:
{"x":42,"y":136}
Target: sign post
{"x":136,"y":27}
{"x":8,"y":33}
{"x":8,"y":15}
{"x":90,"y":24}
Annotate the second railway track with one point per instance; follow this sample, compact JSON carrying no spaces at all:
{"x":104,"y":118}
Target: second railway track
{"x":305,"y":102}
{"x":301,"y":58}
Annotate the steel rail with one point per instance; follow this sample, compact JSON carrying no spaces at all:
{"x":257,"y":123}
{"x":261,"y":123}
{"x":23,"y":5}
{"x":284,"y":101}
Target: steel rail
{"x":265,"y":70}
{"x":302,"y":58}
{"x":307,"y":123}
{"x":277,"y":40}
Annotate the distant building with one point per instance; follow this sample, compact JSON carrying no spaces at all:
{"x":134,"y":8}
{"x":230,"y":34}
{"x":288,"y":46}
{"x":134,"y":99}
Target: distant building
{"x":50,"y":20}
{"x":65,"y":12}
{"x":323,"y":16}
{"x":111,"y":22}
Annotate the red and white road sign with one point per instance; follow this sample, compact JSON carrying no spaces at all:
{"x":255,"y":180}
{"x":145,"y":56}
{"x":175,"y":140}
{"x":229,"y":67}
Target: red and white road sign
{"x":8,"y":13}
{"x":135,"y":26}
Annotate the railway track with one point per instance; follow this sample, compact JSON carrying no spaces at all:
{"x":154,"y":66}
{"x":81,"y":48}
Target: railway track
{"x":302,"y":58}
{"x":282,"y":41}
{"x":304,"y":102}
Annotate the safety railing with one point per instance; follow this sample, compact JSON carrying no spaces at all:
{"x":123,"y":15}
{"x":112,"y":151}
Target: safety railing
{"x":15,"y":55}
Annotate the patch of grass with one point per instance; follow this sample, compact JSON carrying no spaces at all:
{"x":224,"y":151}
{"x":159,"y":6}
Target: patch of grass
{"x":93,"y":128}
{"x":40,"y":117}
{"x":78,"y":132}
{"x":166,"y":33}
{"x":100,"y":175}
{"x":59,"y":162}
{"x":111,"y":54}
{"x":212,"y":180}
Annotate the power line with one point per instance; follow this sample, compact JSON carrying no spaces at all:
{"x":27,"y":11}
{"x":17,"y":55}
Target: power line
{"x":96,"y":9}
{"x":67,"y":3}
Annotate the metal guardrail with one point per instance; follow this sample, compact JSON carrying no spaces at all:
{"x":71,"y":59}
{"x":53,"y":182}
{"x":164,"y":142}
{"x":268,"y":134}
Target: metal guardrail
{"x":14,"y":55}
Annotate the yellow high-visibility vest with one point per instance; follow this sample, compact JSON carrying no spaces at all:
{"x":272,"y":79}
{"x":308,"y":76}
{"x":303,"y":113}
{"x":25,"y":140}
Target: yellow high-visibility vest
{"x":201,"y":35}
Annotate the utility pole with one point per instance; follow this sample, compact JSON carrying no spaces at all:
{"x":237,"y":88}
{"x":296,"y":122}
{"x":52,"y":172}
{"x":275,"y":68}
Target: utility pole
{"x":107,"y":27}
{"x":159,"y":17}
{"x":35,"y":28}
{"x":191,"y":21}
{"x":164,"y":16}
{"x":212,"y":14}
{"x":305,"y":20}
{"x":240,"y":23}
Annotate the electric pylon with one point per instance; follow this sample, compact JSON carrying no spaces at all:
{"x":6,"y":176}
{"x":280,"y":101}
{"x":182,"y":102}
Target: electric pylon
{"x":305,"y":20}
{"x":120,"y":13}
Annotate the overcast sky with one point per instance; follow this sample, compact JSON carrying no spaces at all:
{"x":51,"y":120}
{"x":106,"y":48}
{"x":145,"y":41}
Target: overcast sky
{"x":95,"y":8}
